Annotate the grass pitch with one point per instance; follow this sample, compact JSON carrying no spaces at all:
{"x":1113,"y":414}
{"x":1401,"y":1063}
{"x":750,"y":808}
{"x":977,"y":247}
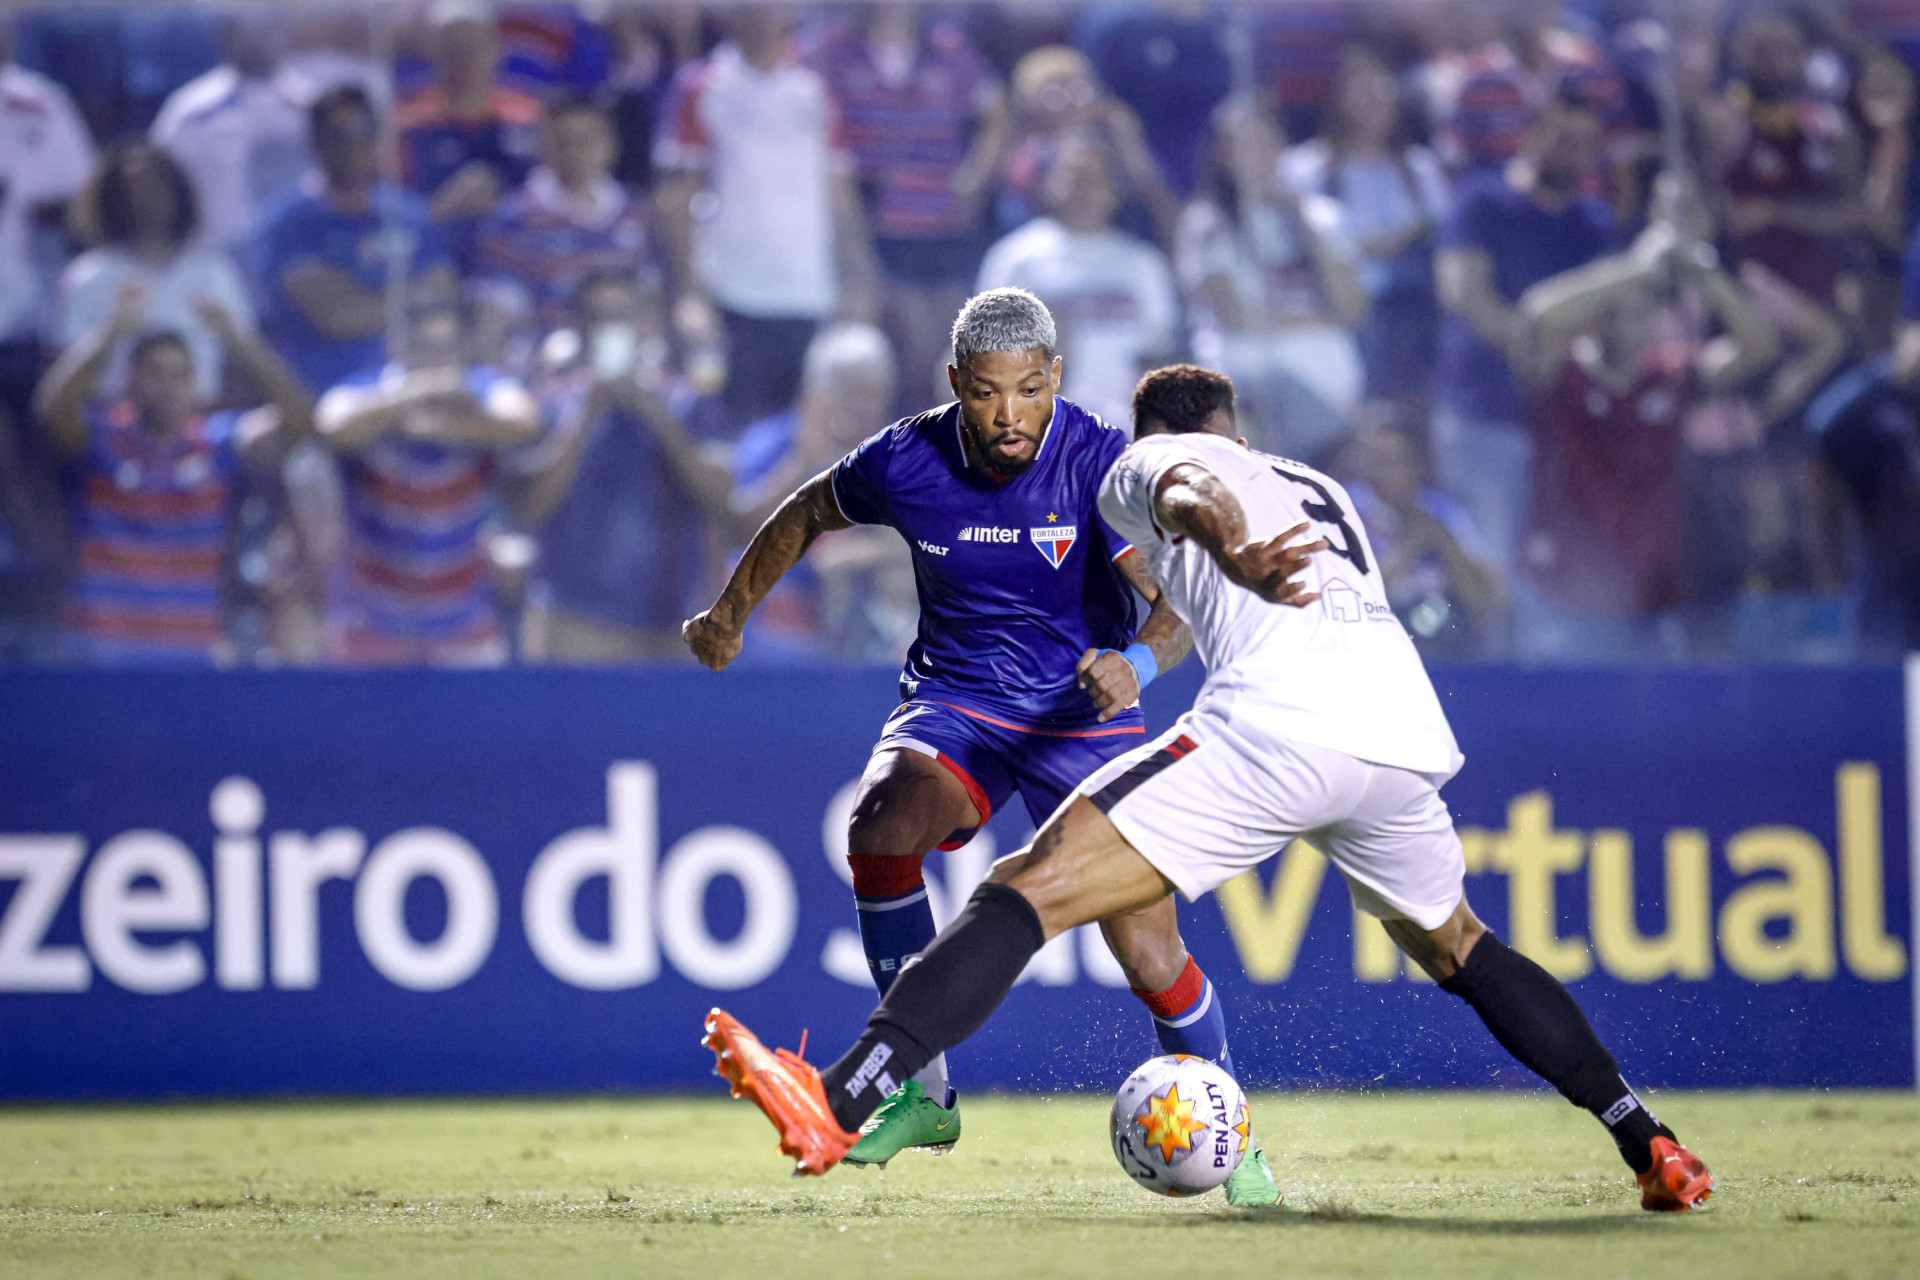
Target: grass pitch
{"x":1402,"y":1185}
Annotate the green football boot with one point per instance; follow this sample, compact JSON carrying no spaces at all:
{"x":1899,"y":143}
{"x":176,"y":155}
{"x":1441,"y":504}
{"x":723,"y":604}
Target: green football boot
{"x":908,"y":1118}
{"x":1252,"y":1185}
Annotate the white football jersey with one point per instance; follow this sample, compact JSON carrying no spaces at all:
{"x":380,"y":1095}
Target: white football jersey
{"x":1340,"y":673}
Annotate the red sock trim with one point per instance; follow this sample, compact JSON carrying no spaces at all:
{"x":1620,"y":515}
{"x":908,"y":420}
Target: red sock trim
{"x":1178,"y":998}
{"x":879,"y":875}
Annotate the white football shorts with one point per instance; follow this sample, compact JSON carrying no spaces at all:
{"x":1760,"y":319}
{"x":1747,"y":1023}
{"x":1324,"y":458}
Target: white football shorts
{"x":1217,"y":795}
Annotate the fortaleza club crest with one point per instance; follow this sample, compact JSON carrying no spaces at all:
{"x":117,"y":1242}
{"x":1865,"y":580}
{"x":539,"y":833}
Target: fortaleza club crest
{"x":1055,"y":540}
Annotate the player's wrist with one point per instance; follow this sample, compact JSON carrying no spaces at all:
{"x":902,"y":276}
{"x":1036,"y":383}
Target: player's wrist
{"x":1145,"y":666}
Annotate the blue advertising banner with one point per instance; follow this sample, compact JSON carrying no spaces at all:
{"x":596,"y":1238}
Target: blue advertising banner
{"x":256,"y":883}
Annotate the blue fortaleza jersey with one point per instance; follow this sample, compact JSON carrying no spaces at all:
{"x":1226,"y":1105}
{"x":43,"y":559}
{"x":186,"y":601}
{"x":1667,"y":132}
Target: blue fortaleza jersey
{"x":1017,"y":578}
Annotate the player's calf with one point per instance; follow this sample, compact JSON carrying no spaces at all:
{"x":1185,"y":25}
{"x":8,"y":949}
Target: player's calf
{"x":1537,"y":1021}
{"x":1077,"y":870}
{"x":906,"y":805}
{"x":1187,"y":1014}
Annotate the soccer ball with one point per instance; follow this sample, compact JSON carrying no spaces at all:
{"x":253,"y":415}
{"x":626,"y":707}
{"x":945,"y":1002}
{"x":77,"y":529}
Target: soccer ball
{"x":1179,"y":1125}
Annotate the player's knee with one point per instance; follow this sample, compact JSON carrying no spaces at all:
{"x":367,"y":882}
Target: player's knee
{"x":1443,"y":951}
{"x":1149,"y":949}
{"x":878,"y":832}
{"x":1148,"y":966}
{"x":887,"y":821}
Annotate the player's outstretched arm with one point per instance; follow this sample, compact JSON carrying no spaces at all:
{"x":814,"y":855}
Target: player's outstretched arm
{"x":1109,"y":677}
{"x":1191,"y":502}
{"x":810,"y":511}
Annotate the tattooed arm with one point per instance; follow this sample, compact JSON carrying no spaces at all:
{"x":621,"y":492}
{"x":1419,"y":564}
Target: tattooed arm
{"x":1191,"y":502}
{"x":714,"y":636}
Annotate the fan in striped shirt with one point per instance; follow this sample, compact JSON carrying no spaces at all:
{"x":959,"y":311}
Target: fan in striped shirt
{"x":421,"y":441}
{"x":157,"y":478}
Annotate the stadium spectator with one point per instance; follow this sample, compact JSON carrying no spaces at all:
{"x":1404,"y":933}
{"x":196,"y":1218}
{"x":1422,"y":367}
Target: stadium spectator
{"x":571,"y":220}
{"x":157,"y":476}
{"x":1440,"y":577}
{"x":1763,"y":560}
{"x":1169,"y":64}
{"x":325,"y":255}
{"x":1058,"y":98}
{"x":465,"y":140}
{"x":119,"y":61}
{"x":628,"y":497}
{"x":33,"y":547}
{"x":1111,"y":295}
{"x":636,"y":93}
{"x":853,"y":596}
{"x":1868,"y":428}
{"x":241,"y":139}
{"x":46,"y":158}
{"x":1609,"y":376}
{"x":1788,"y":163}
{"x":1393,"y":197}
{"x":331,"y":48}
{"x":1884,"y":97}
{"x":1508,"y":231}
{"x":924,"y":119}
{"x":1485,"y":99}
{"x":755,"y":132}
{"x":421,"y":440}
{"x":1271,"y":289}
{"x":554,"y":48}
{"x":143,"y":213}
{"x":1295,"y":54}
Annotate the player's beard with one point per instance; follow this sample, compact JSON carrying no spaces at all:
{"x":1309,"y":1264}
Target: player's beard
{"x":985,"y":459}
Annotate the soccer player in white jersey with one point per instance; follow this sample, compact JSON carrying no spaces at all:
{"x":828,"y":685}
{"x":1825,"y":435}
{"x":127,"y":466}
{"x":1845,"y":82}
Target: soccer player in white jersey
{"x":1316,"y":722}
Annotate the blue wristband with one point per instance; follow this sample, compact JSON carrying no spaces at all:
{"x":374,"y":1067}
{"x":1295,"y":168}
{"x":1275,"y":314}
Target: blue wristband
{"x":1141,"y":658}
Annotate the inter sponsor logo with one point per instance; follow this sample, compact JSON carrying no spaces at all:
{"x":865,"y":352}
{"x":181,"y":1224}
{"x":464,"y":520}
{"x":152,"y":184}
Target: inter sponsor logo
{"x":989,"y":533}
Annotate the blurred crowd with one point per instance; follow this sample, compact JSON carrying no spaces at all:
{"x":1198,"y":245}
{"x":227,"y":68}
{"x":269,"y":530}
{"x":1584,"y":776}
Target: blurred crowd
{"x":452,"y":333}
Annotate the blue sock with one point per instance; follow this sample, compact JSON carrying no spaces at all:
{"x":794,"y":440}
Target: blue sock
{"x":1187,"y":1017}
{"x":896,"y":924}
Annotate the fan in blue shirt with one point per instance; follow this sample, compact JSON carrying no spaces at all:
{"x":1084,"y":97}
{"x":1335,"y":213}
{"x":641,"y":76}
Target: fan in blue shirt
{"x":1027,"y":671}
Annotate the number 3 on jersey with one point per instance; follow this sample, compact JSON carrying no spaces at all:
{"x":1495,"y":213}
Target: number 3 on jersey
{"x":1327,"y":511}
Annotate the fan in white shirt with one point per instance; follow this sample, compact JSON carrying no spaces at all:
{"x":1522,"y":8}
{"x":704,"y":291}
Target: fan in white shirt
{"x":240,"y":136}
{"x":1111,"y":295}
{"x":45,"y":159}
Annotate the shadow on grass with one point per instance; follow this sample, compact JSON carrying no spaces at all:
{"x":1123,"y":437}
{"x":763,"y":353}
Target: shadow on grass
{"x":1342,"y":1215}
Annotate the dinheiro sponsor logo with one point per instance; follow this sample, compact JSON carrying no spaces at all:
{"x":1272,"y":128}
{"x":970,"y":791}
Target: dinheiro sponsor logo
{"x":153,"y":920}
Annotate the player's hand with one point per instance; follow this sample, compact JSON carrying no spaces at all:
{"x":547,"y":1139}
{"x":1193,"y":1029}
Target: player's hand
{"x":714,"y":643}
{"x":1267,"y":568}
{"x":1109,"y":680}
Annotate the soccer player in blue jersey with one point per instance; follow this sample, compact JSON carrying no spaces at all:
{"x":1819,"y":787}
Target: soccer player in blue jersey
{"x":1025,"y":677}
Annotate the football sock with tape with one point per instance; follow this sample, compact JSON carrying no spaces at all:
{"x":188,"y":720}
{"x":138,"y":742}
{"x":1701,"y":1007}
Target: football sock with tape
{"x":1536,"y":1020}
{"x":1187,"y":1017}
{"x":938,"y":1001}
{"x":896,"y":924}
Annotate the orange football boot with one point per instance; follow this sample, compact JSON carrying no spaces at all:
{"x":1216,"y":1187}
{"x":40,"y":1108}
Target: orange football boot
{"x":785,"y":1087}
{"x":1677,"y":1181}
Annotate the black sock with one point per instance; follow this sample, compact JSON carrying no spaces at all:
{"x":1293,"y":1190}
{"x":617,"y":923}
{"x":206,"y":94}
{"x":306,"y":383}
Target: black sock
{"x":937,"y":1001}
{"x":1536,"y":1020}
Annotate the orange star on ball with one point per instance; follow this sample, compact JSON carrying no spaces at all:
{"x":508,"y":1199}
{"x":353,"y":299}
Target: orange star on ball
{"x":1169,"y":1123}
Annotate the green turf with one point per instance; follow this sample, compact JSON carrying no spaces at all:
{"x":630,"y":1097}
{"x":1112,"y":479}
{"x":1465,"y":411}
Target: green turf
{"x":1402,"y":1185}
